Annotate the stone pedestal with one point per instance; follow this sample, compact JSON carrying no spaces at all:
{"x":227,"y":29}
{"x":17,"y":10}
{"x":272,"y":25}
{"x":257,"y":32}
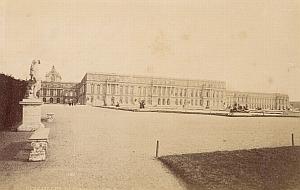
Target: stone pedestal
{"x":31,"y":115}
{"x":39,"y":151}
{"x":50,"y":117}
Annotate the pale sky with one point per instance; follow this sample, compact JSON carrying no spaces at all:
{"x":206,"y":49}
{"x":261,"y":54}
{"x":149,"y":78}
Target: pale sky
{"x":253,"y":45}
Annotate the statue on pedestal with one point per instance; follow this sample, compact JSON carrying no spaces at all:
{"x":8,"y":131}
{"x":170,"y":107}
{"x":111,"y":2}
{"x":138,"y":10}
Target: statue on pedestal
{"x":34,"y":81}
{"x":31,"y":104}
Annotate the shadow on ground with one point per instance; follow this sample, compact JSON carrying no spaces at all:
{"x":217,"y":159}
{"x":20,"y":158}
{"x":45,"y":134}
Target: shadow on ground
{"x":15,"y":151}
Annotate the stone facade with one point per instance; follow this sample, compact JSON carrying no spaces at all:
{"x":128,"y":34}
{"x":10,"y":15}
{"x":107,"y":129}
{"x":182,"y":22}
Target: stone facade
{"x":102,"y":89}
{"x":111,"y":89}
{"x":264,"y":101}
{"x":54,"y":91}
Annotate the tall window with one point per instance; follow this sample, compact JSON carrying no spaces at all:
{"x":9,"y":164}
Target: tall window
{"x":131,"y":90}
{"x":154,"y":90}
{"x":121,"y":90}
{"x":108,"y":90}
{"x":92,"y":88}
{"x":113,"y":89}
{"x":98,"y":89}
{"x":164,"y":90}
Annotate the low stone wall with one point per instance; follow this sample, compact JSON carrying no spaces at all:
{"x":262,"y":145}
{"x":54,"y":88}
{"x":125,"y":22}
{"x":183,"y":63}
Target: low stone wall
{"x":11,"y":92}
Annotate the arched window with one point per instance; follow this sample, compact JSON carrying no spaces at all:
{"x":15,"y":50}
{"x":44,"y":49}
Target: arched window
{"x":158,"y":102}
{"x":98,"y":89}
{"x":44,"y":100}
{"x":51,"y":100}
{"x":168,"y":101}
{"x":58,"y":100}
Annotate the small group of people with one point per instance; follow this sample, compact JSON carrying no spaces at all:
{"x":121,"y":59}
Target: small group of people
{"x":71,"y":103}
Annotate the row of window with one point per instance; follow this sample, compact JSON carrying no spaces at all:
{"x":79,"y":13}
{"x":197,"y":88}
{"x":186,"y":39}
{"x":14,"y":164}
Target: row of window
{"x":51,"y":100}
{"x":254,"y":100}
{"x":58,"y":100}
{"x":156,"y":90}
{"x":57,"y":92}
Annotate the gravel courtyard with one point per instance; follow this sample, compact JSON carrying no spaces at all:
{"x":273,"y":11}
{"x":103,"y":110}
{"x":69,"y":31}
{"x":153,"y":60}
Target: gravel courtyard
{"x":96,"y":148}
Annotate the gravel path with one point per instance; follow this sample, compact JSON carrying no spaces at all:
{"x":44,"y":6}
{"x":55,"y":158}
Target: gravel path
{"x":96,"y":148}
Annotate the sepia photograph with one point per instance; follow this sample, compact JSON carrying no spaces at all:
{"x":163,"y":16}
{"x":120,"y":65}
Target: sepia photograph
{"x":150,"y":95}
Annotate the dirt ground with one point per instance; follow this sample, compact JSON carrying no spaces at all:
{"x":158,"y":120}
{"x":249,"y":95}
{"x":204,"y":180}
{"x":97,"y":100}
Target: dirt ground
{"x":96,"y":148}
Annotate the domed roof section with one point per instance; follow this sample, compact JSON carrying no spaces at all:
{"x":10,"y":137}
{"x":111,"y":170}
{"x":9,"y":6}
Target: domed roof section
{"x":53,"y":76}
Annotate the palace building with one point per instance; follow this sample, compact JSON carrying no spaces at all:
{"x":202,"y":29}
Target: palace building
{"x":53,"y":90}
{"x":112,"y":89}
{"x":102,"y":89}
{"x":252,"y":100}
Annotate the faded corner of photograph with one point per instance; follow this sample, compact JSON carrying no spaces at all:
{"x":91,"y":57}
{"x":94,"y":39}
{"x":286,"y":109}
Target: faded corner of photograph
{"x":128,"y":94}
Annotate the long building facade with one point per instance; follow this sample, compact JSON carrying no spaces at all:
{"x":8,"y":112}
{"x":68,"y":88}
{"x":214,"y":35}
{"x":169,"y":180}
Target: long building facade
{"x":261,"y":101}
{"x":102,"y":89}
{"x":111,"y":89}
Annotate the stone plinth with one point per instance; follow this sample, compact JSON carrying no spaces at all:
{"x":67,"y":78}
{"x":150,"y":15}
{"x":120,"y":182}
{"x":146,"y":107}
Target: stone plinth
{"x":31,"y":115}
{"x":50,"y":117}
{"x":39,"y":151}
{"x":39,"y":143}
